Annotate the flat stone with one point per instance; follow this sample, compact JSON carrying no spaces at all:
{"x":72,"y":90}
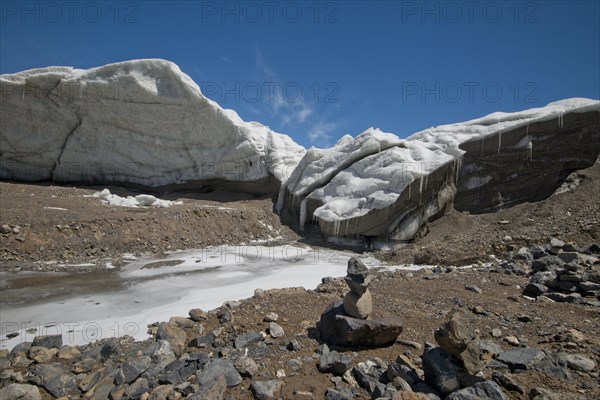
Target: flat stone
{"x":358,"y":306}
{"x":264,"y":390}
{"x":48,"y":341}
{"x":339,"y":329}
{"x":544,"y":394}
{"x":521,"y":358}
{"x":506,"y":382}
{"x":246,"y":339}
{"x":488,"y":390}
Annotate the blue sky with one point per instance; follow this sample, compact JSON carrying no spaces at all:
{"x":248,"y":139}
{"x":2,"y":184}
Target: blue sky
{"x":317,"y":70}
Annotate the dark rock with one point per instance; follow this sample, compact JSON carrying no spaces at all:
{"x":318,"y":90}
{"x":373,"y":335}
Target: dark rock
{"x":506,"y":382}
{"x":203,"y":342}
{"x":109,"y":349}
{"x":521,"y":358}
{"x":213,"y":389}
{"x":366,"y":380}
{"x":16,"y":391}
{"x":217,"y":368}
{"x":546,"y":263}
{"x":441,"y":371}
{"x":263,"y":390}
{"x":339,"y":329}
{"x":48,"y":341}
{"x":246,"y":339}
{"x":293,"y":345}
{"x":131,"y":370}
{"x":553,"y":365}
{"x":480,"y":391}
{"x":396,"y":370}
{"x":535,"y":289}
{"x":335,"y":363}
{"x":55,"y":379}
{"x":537,"y":251}
{"x":137,"y":388}
{"x":554,"y":246}
{"x":341,"y":394}
{"x":593,"y":249}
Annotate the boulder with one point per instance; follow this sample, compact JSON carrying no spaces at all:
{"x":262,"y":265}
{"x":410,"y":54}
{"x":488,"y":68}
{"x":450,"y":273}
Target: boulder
{"x":176,"y":336}
{"x":48,"y":341}
{"x":220,"y":367}
{"x":264,"y":390}
{"x":55,"y":378}
{"x":337,"y":328}
{"x":521,"y":358}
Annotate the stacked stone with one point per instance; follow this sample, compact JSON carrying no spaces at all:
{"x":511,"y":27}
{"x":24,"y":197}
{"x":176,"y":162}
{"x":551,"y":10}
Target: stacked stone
{"x":358,"y":302}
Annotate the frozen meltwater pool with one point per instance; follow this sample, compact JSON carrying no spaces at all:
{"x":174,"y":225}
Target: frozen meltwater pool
{"x":85,"y":307}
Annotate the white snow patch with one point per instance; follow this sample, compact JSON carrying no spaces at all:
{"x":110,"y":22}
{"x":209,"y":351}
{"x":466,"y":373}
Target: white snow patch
{"x":142,"y":200}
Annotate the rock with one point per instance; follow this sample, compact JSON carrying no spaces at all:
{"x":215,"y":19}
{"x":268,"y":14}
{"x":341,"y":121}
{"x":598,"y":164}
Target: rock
{"x":480,"y":391}
{"x":263,"y":390}
{"x":16,"y":391}
{"x":339,"y":329}
{"x":397,"y":370}
{"x":342,"y":394}
{"x":213,"y":389}
{"x":512,"y":340}
{"x":358,"y":306}
{"x":55,"y":379}
{"x":131,"y":370}
{"x":293,"y":345}
{"x":555,"y":246}
{"x":202,"y":342}
{"x":47,"y":341}
{"x":271,"y":317}
{"x":553,"y":365}
{"x":577,"y":362}
{"x":404,"y":395}
{"x":521,"y":358}
{"x":225,"y":315}
{"x":546,"y":263}
{"x":458,"y":337}
{"x":367,"y":376}
{"x":544,"y":394}
{"x":441,"y":372}
{"x":496,"y":333}
{"x":174,"y":335}
{"x":535,"y":289}
{"x":334,"y":362}
{"x":506,"y":382}
{"x":41,"y":355}
{"x":246,"y":339}
{"x":489,"y":349}
{"x":246,"y":367}
{"x":68,"y":353}
{"x":474,"y":288}
{"x":162,"y":352}
{"x":4,"y":229}
{"x":198,"y":315}
{"x":275,"y":330}
{"x":220,"y":367}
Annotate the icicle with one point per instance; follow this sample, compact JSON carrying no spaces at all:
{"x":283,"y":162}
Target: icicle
{"x":530,"y":146}
{"x":421,"y":186}
{"x":527,"y":129}
{"x":409,"y":191}
{"x":560,"y":121}
{"x":499,"y":141}
{"x":280,"y":198}
{"x":302,"y":213}
{"x":426,"y":179}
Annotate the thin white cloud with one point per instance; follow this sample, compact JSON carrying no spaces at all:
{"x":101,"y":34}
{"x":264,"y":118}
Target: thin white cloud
{"x":321,"y":134}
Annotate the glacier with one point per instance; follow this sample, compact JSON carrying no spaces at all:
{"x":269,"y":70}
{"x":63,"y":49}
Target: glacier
{"x":141,"y":122}
{"x":146,"y":123}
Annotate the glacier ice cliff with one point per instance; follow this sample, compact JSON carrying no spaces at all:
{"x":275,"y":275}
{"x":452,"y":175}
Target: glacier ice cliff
{"x":144,"y":122}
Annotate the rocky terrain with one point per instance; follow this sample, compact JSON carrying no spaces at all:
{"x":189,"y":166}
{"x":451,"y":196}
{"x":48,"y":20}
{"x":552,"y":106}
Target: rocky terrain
{"x":523,"y":323}
{"x":467,"y":333}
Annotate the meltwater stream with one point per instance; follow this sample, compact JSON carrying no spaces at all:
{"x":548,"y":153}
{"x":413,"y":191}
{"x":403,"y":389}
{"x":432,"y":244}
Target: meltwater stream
{"x":84,"y":307}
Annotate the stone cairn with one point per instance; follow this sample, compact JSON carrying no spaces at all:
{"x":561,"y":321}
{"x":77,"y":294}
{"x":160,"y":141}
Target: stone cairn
{"x":354,"y":321}
{"x":358,"y":303}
